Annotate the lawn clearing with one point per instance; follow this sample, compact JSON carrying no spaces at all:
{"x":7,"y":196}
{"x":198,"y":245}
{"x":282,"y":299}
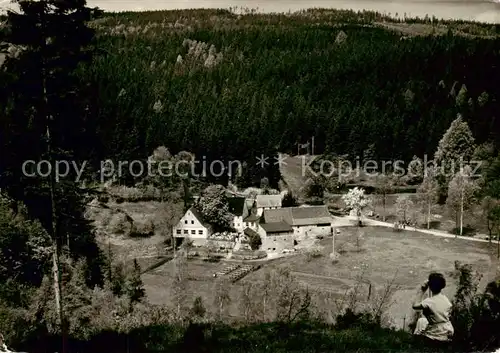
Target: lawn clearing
{"x":406,"y":256}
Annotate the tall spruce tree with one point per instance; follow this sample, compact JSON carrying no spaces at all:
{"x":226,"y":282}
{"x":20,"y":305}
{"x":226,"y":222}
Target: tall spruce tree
{"x":455,"y":149}
{"x":46,"y":120}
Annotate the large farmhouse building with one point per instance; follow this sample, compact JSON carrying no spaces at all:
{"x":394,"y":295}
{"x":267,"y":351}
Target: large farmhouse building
{"x":276,"y":237}
{"x":192,"y":226}
{"x":279,"y":228}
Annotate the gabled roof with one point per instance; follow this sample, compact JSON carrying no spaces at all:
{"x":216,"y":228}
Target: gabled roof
{"x":277,"y":227}
{"x":268,"y":201}
{"x":250,"y":232}
{"x":236,"y":205}
{"x":252,"y":218}
{"x":311,"y":215}
{"x":278,"y":215}
{"x":298,"y":216}
{"x":199,"y":217}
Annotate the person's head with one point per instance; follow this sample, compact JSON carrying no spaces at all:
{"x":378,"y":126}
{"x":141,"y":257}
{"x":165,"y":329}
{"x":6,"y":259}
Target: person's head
{"x":436,"y":282}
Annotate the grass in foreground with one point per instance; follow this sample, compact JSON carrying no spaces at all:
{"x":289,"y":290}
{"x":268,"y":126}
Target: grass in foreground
{"x":272,"y":337}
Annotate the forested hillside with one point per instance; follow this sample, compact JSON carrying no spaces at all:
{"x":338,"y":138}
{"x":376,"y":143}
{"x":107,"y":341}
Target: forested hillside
{"x":235,"y":87}
{"x":223,"y":88}
{"x":215,"y":85}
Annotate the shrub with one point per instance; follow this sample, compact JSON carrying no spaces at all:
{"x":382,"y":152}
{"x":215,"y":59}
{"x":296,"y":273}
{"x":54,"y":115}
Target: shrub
{"x":103,"y":198}
{"x":351,"y":319}
{"x":119,"y":224}
{"x":474,"y":315}
{"x":144,"y":230}
{"x":198,"y":310}
{"x":289,"y":200}
{"x":255,"y":241}
{"x":313,"y":254}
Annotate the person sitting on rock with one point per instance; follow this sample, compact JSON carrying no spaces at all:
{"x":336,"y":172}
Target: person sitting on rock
{"x":434,"y":326}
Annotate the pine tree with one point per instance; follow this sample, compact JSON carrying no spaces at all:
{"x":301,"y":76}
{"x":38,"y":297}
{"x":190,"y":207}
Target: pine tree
{"x":135,"y":288}
{"x":42,"y":119}
{"x":118,"y":280}
{"x":454,"y":149}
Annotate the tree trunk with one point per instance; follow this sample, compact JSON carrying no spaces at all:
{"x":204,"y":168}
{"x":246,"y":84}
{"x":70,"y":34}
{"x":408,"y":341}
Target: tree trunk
{"x":462,"y":212}
{"x":110,"y":270}
{"x":489,"y":231}
{"x":55,"y":272}
{"x":333,"y":241}
{"x":429,"y":215}
{"x":383,"y":203}
{"x":54,"y":219}
{"x":498,"y":243}
{"x":54,"y":231}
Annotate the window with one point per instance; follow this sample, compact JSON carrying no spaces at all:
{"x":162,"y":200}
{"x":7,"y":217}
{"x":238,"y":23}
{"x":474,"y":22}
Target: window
{"x":178,"y":231}
{"x":192,"y":222}
{"x":200,"y":232}
{"x":186,"y":222}
{"x":193,"y":231}
{"x":246,"y":224}
{"x":274,"y":249}
{"x":185,"y":231}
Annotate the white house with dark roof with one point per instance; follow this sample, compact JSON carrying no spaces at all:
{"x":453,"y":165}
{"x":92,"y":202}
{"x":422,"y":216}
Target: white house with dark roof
{"x":252,"y":221}
{"x":267,"y":202}
{"x":238,"y":208}
{"x":192,"y":226}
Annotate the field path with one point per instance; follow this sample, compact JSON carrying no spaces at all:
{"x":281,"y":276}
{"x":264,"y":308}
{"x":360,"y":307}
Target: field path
{"x":293,"y":172}
{"x":437,"y":233}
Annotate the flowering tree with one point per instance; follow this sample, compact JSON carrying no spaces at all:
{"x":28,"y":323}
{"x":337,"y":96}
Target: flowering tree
{"x":404,"y":206}
{"x":356,"y":200}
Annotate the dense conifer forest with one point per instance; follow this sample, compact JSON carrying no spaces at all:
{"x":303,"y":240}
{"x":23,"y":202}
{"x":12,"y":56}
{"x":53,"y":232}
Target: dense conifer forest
{"x":274,"y":83}
{"x":80,"y":85}
{"x":234,"y":87}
